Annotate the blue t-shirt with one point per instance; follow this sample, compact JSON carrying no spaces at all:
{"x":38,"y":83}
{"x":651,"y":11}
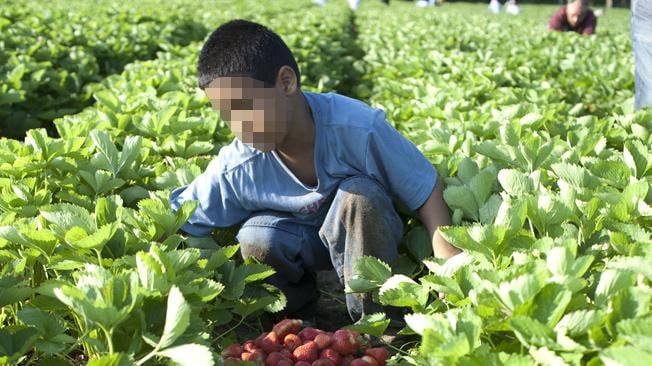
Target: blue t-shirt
{"x":351,"y":138}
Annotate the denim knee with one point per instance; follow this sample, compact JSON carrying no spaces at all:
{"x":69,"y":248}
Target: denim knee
{"x":267,"y":238}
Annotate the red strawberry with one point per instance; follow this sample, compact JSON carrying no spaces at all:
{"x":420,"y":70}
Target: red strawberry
{"x":270,"y":343}
{"x":292,"y":341}
{"x":286,"y":353}
{"x":308,"y":352}
{"x":249,"y":346}
{"x":322,"y":340}
{"x":232,"y":360}
{"x":273,"y":358}
{"x":332,"y":355}
{"x":323,"y":362}
{"x":287,"y":326}
{"x":259,"y":339}
{"x":364,"y":361}
{"x":308,"y":333}
{"x":233,"y":350}
{"x":257,"y":357}
{"x":302,"y":363}
{"x":346,"y":342}
{"x":346,"y":360}
{"x":380,"y":354}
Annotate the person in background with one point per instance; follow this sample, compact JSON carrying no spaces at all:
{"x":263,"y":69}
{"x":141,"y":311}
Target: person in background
{"x":642,"y":45}
{"x":353,"y":4}
{"x":425,"y":3}
{"x":574,"y":17}
{"x":510,"y":7}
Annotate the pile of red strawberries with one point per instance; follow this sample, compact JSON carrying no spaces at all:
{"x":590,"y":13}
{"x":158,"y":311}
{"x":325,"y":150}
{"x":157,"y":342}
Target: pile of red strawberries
{"x":289,"y":345}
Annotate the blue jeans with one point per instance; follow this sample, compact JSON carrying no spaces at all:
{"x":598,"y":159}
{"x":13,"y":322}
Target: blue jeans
{"x":359,"y":220}
{"x":642,"y":46}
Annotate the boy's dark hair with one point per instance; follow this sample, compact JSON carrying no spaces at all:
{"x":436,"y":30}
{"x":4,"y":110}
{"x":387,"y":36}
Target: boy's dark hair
{"x":243,"y":48}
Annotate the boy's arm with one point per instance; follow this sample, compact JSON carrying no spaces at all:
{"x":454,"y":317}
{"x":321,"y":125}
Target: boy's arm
{"x":433,"y":214}
{"x":218,"y":204}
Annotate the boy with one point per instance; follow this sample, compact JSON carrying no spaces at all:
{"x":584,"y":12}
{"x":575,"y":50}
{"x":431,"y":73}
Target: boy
{"x":311,"y":175}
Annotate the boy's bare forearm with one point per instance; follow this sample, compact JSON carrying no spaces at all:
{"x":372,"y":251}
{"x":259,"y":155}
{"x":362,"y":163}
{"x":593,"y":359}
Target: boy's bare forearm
{"x":433,"y":214}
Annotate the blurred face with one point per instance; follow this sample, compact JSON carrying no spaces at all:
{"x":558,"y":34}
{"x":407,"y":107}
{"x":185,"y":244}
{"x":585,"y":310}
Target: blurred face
{"x":256,"y":114}
{"x":575,"y":12}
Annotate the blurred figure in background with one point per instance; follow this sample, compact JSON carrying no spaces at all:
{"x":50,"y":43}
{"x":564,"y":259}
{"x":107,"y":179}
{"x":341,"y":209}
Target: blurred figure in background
{"x":510,"y":7}
{"x":353,"y":4}
{"x":424,"y":3}
{"x":574,"y":17}
{"x":642,"y":45}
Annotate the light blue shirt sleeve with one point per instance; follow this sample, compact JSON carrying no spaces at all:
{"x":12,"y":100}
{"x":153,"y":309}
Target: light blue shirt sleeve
{"x":218,"y":205}
{"x":395,"y":162}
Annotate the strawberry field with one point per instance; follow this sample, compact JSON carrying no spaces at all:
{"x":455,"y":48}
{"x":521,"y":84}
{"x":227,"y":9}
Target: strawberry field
{"x":547,"y":168}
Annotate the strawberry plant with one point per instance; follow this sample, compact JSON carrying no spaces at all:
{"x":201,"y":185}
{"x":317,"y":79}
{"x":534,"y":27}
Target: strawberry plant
{"x":547,"y":179}
{"x":546,"y":168}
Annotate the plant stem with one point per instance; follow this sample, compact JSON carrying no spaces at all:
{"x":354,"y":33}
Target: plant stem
{"x":230,"y":329}
{"x":109,"y":338}
{"x":147,"y":356}
{"x":99,"y":257}
{"x":387,"y":344}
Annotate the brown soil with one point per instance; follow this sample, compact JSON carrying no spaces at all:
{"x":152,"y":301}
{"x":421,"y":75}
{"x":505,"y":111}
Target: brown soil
{"x":331,"y":309}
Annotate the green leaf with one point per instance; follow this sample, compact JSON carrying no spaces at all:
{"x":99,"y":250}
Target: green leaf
{"x":615,"y":173}
{"x":107,"y":210}
{"x":612,"y":281}
{"x":221,"y":256}
{"x":489,"y":149}
{"x":177,"y":319}
{"x":360,"y":285}
{"x":443,"y":285}
{"x":108,"y":99}
{"x":373,"y":269}
{"x":520,"y":290}
{"x":481,"y":186}
{"x":107,"y":150}
{"x":400,"y":290}
{"x":130,"y":151}
{"x":419,"y":323}
{"x":489,"y":210}
{"x":577,"y":176}
{"x":514,"y":182}
{"x":579,"y":322}
{"x":189,"y":355}
{"x":251,"y":272}
{"x":549,"y":304}
{"x":637,"y":157}
{"x":373,"y":324}
{"x":463,"y":198}
{"x":560,"y":261}
{"x":115,"y":359}
{"x":531,"y":332}
{"x":65,"y":216}
{"x":466,"y":170}
{"x":544,"y":356}
{"x":14,"y":294}
{"x":15,"y":341}
{"x":50,"y":325}
{"x":152,"y":273}
{"x":419,"y":243}
{"x":77,"y":238}
{"x":625,"y":356}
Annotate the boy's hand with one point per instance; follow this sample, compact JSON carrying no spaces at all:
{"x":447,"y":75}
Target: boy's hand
{"x":433,"y":214}
{"x":442,"y":248}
